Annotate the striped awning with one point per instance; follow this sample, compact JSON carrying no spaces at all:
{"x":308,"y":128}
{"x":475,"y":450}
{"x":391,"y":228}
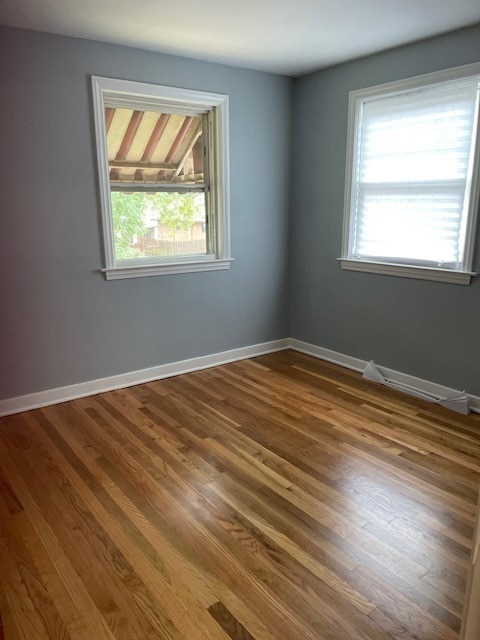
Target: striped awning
{"x":150,"y":147}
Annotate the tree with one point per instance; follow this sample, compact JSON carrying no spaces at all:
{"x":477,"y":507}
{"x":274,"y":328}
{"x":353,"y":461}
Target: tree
{"x":132,"y":211}
{"x":128,"y":213}
{"x":176,"y":210}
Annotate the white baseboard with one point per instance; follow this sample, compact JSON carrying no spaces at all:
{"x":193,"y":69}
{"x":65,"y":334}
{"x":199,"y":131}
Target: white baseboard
{"x":326,"y":354}
{"x":91,"y":387}
{"x":62,"y":394}
{"x":397,"y":376}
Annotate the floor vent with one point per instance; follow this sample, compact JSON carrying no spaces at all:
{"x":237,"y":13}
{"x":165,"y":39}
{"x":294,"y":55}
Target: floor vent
{"x":458,"y":402}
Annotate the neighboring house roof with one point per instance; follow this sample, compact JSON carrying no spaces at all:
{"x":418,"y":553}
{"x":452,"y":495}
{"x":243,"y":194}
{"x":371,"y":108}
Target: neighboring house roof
{"x":153,"y":147}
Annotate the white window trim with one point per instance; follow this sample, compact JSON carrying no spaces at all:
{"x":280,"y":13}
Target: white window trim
{"x":408,"y":271}
{"x":169,"y":100}
{"x":404,"y":270}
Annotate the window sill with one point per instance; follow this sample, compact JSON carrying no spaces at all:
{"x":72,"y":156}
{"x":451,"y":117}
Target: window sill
{"x":407,"y":271}
{"x":142,"y":271}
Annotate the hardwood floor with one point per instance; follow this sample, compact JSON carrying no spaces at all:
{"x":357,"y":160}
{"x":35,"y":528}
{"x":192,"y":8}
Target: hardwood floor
{"x":279,"y":498}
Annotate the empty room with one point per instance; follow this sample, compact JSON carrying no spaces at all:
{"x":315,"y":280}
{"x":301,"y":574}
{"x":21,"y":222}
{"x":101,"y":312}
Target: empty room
{"x":239,"y":320}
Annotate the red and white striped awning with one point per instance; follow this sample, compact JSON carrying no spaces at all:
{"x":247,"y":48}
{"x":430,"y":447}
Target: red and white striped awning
{"x":148,"y":147}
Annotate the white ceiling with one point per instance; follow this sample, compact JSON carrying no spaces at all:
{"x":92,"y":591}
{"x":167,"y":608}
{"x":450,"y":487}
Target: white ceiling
{"x":290,"y":37}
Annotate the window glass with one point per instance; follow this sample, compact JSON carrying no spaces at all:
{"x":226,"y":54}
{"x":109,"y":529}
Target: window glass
{"x":163,"y":175}
{"x":158,"y":224}
{"x":412,"y":191}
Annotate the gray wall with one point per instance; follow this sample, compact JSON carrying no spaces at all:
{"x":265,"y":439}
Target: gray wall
{"x":60,"y":321}
{"x":427,"y":329}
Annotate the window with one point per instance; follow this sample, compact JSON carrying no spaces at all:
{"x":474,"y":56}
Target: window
{"x":411,"y":195}
{"x":163,"y":169}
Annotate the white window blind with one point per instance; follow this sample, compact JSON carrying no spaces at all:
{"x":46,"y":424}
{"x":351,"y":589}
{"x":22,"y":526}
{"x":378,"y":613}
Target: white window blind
{"x":413,"y":161}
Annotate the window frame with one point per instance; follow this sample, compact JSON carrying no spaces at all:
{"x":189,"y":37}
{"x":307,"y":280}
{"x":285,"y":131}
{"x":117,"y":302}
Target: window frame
{"x":356,"y":100}
{"x":145,"y":96}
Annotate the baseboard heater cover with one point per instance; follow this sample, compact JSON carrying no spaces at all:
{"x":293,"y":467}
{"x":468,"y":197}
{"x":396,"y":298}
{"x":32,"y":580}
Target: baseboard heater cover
{"x":457,"y":402}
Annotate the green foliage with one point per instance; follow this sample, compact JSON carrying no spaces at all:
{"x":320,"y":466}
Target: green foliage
{"x":128,"y":213}
{"x":176,"y":210}
{"x":131,"y":211}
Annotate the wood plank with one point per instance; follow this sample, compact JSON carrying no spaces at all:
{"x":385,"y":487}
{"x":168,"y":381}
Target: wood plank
{"x":227,"y":621}
{"x":277,"y":498}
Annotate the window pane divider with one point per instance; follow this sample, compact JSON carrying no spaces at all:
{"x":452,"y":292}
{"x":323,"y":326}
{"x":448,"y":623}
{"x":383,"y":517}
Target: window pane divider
{"x":142,"y":186}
